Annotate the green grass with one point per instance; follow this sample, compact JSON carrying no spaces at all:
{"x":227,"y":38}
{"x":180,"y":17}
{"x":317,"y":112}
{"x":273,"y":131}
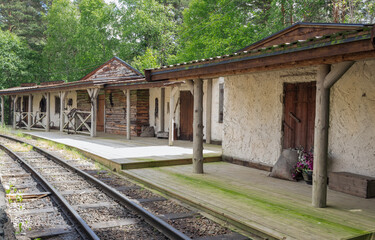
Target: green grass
{"x":264,"y":203}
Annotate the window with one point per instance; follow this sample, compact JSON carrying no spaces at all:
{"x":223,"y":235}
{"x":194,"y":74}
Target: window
{"x":221,"y":102}
{"x":57,"y":105}
{"x":156,"y":107}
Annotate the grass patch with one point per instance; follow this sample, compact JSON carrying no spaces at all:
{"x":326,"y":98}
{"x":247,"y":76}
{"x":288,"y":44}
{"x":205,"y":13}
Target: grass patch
{"x":264,"y":203}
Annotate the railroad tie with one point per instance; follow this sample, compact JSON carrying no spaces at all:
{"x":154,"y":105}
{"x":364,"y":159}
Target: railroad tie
{"x":175,"y":216}
{"x":116,"y":223}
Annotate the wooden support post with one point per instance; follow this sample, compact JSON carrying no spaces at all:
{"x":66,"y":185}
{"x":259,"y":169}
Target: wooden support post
{"x":29,"y":117}
{"x":190,"y":84}
{"x":15,"y":98}
{"x":162,"y":104}
{"x":198,"y":127}
{"x":62,"y":109}
{"x":171,"y":116}
{"x":93,"y":93}
{"x":48,"y":111}
{"x":2,"y":111}
{"x":325,"y":80}
{"x":321,"y":139}
{"x":208,"y":110}
{"x":128,"y":115}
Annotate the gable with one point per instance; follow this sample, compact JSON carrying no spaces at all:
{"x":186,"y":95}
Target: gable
{"x":114,"y":69}
{"x":301,"y":31}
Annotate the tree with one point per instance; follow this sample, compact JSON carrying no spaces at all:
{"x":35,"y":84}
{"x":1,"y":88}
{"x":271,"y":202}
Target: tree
{"x":217,"y":27}
{"x":147,"y":60}
{"x":147,"y":24}
{"x":14,"y":60}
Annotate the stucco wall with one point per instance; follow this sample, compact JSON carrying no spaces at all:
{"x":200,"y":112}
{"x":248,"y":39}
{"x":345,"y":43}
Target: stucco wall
{"x":352,"y":121}
{"x":253,"y":113}
{"x":216,"y":126}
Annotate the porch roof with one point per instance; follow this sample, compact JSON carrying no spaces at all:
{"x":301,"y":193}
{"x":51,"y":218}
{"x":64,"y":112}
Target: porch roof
{"x":349,"y":45}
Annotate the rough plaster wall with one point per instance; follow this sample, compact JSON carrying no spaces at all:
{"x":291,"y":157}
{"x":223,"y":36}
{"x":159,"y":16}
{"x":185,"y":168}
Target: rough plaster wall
{"x":352,"y":121}
{"x":253,"y":112}
{"x":217,"y":128}
{"x":156,"y":93}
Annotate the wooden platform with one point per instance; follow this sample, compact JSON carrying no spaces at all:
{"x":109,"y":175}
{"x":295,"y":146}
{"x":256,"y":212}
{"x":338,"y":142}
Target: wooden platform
{"x":117,"y":153}
{"x":250,"y":199}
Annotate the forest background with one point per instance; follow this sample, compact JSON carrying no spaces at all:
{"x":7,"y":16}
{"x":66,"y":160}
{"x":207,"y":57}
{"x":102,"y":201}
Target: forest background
{"x":47,"y":40}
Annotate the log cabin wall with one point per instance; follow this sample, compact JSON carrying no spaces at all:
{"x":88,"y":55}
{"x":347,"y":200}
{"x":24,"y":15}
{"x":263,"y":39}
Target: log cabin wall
{"x":115,"y":102}
{"x":83,"y":100}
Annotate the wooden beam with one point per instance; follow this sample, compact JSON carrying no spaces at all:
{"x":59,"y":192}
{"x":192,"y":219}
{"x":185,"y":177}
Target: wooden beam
{"x":128,"y":114}
{"x":334,"y":75}
{"x":2,"y":111}
{"x":208,"y":110}
{"x":319,"y":191}
{"x":162,"y":113}
{"x":93,"y":93}
{"x":48,"y":111}
{"x":62,"y":95}
{"x":29,"y":117}
{"x":15,"y":98}
{"x":198,"y":127}
{"x":190,"y":85}
{"x":171,"y":116}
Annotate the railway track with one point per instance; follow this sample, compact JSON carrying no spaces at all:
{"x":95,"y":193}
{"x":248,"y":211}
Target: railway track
{"x":91,"y":203}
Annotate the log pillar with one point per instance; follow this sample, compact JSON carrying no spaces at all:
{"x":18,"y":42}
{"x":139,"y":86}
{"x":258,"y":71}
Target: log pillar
{"x":208,"y":110}
{"x":2,"y":111}
{"x":162,"y":104}
{"x":48,"y":111}
{"x":198,"y":127}
{"x":171,"y":116}
{"x":62,"y":109}
{"x":29,"y":117}
{"x":321,"y":139}
{"x":128,"y":115}
{"x":15,"y":98}
{"x":93,"y":93}
{"x":325,"y":80}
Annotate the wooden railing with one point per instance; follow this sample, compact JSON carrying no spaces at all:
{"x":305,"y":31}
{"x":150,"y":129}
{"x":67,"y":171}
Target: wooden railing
{"x":78,"y":121}
{"x":36,"y":120}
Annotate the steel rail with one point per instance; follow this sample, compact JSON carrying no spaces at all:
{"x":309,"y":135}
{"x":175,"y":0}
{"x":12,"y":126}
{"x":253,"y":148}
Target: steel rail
{"x":153,"y":220}
{"x":84,"y":230}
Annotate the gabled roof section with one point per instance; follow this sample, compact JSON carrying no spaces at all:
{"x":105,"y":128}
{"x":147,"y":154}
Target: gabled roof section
{"x":301,"y":31}
{"x":114,"y":69}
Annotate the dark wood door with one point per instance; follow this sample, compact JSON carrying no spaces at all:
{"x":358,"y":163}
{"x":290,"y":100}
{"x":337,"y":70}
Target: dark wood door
{"x":299,"y":115}
{"x":100,"y":115}
{"x":186,"y":115}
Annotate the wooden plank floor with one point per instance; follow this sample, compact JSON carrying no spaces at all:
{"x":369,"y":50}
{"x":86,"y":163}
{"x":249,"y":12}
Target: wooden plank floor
{"x":280,"y":208}
{"x":116,"y":147}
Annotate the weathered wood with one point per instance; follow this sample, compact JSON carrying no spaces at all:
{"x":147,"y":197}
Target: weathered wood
{"x":93,"y":94}
{"x":28,"y":195}
{"x":186,"y":115}
{"x":162,"y":109}
{"x":48,"y":111}
{"x":29,"y":119}
{"x":319,"y":192}
{"x":198,"y":127}
{"x":49,"y":232}
{"x":208,"y":110}
{"x":327,"y":55}
{"x":62,"y":95}
{"x":2,"y":111}
{"x":334,"y":75}
{"x":128,"y":133}
{"x":353,"y":184}
{"x":115,"y":223}
{"x":15,"y":98}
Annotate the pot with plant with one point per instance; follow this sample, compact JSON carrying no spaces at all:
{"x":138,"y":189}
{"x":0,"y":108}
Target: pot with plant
{"x":305,"y":165}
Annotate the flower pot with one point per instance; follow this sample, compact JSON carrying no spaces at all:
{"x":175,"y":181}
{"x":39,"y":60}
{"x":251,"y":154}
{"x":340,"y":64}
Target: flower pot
{"x":307,"y":176}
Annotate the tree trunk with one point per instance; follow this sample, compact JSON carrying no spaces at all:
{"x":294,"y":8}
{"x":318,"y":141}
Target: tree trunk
{"x":198,"y":127}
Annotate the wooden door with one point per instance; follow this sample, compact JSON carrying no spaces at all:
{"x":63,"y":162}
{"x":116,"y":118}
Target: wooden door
{"x":299,"y":115}
{"x":186,"y":115}
{"x":25,"y":107}
{"x":101,"y":112}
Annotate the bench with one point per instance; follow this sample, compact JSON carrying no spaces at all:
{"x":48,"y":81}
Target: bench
{"x":353,"y":184}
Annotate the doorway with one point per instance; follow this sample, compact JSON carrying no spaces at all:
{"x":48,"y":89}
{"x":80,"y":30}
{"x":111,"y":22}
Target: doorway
{"x":186,"y":115}
{"x":299,"y":115}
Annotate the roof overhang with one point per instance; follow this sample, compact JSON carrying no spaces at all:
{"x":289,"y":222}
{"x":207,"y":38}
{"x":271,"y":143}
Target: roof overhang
{"x":339,"y":47}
